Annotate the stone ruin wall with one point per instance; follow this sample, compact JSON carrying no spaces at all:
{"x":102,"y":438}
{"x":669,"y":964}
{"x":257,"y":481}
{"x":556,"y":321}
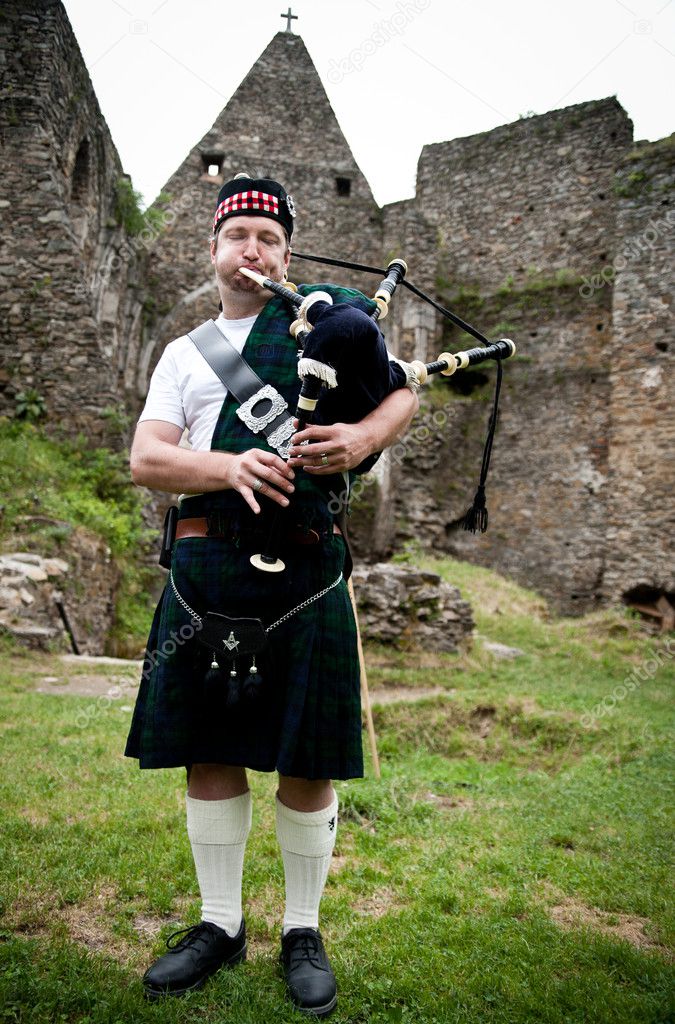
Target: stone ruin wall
{"x":519,"y":239}
{"x":66,"y":267}
{"x":640,"y":517}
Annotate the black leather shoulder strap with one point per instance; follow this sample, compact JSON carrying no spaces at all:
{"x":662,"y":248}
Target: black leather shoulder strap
{"x":225,"y":361}
{"x":275,"y":422}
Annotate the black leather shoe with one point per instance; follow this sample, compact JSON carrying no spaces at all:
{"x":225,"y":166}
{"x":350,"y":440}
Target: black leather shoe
{"x":201,"y":951}
{"x":308,"y":974}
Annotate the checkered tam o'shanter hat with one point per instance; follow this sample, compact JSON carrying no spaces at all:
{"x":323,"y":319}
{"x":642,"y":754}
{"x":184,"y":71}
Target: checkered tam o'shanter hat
{"x":255,"y":197}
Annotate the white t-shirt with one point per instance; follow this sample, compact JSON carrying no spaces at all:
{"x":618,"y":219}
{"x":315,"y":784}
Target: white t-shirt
{"x":185,"y":391}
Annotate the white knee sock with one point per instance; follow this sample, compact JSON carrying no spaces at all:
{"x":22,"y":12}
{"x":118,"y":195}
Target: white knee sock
{"x":218,"y":830}
{"x":306,"y":840}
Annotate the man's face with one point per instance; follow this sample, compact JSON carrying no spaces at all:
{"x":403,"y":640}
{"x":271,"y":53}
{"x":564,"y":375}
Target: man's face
{"x":255,"y":242}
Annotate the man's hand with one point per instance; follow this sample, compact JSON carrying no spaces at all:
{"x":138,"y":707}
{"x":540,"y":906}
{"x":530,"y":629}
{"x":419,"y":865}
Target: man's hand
{"x":259,"y":472}
{"x":331,"y":449}
{"x":159,"y":461}
{"x":344,"y":446}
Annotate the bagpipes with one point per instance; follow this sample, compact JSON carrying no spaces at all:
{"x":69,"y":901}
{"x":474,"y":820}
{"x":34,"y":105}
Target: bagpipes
{"x":343,"y":358}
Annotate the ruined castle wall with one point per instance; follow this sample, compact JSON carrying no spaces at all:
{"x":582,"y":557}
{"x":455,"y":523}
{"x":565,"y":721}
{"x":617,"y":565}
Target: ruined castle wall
{"x":545,"y":492}
{"x":527,"y":197}
{"x":640,"y":506}
{"x":61,"y":309}
{"x":523,"y":213}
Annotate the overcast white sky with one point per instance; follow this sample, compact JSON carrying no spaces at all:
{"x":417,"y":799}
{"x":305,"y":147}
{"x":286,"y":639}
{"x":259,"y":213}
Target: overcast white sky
{"x":399,"y":73}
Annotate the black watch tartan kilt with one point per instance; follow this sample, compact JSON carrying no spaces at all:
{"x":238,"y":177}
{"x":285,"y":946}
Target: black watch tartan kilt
{"x":306,"y":719}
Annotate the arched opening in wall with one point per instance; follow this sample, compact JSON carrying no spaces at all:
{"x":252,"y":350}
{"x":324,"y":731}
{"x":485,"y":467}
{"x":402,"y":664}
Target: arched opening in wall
{"x":79,"y":183}
{"x":80,"y":191}
{"x":655,"y":605}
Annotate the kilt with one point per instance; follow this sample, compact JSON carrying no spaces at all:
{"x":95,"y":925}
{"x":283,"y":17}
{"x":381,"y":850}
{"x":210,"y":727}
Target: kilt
{"x":306,"y":720}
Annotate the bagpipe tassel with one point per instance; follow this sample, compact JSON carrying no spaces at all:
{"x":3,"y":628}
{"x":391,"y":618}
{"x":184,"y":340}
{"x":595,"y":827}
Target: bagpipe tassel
{"x":476,"y":518}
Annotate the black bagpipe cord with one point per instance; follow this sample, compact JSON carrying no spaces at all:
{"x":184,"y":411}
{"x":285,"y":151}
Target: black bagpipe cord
{"x":476,"y":517}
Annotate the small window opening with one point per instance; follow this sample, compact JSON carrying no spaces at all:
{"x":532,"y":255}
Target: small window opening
{"x":212,"y":163}
{"x":343,"y":186}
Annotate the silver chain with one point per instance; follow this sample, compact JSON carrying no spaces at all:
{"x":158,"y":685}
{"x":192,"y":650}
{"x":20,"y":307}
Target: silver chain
{"x":287,"y":615}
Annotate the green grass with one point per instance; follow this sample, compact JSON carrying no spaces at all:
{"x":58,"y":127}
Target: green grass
{"x":511,"y":865}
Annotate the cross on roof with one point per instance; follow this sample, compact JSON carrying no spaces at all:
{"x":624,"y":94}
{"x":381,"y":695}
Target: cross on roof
{"x":289,"y":18}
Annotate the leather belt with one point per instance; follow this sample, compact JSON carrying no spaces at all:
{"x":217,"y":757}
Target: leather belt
{"x":199,"y":527}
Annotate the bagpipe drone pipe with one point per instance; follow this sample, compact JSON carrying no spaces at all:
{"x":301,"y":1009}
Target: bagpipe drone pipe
{"x":343,"y":360}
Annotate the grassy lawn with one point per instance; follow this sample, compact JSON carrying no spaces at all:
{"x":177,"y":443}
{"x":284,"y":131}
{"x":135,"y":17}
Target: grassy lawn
{"x":511,"y":865}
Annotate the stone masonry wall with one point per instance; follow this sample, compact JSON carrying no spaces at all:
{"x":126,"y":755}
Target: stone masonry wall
{"x":62,"y":311}
{"x":640,"y":506}
{"x":519,"y":239}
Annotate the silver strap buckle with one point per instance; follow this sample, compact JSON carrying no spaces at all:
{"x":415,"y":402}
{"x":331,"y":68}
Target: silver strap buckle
{"x":281,"y":438}
{"x":258,"y":423}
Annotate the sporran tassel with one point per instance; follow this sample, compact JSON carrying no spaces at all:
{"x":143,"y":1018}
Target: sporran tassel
{"x":214,"y":676}
{"x":252,"y":683}
{"x":233,"y":688}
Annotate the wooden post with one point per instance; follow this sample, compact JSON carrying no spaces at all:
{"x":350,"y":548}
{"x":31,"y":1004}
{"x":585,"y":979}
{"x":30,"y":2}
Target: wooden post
{"x":365,"y":695}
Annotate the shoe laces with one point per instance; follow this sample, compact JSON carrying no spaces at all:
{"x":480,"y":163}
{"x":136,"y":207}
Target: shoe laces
{"x":192,"y":934}
{"x":304,"y":949}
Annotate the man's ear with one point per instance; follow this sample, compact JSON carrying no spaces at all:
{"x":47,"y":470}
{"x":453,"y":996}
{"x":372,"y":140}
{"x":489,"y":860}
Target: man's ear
{"x":212,"y":246}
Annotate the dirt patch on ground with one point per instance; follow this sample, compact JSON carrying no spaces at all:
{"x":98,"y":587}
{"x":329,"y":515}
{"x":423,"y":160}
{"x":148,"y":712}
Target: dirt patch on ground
{"x":570,"y":913}
{"x":376,"y":904}
{"x":444,"y":801}
{"x":88,"y":923}
{"x":482,"y":719}
{"x":89,"y":684}
{"x":379,"y":658}
{"x":394,"y":694}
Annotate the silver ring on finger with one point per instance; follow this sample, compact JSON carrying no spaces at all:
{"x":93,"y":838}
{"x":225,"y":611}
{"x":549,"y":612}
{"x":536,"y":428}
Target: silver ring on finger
{"x":258,"y":485}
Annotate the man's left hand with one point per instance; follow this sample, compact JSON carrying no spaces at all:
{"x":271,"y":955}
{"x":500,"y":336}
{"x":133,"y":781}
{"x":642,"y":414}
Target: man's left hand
{"x":330,"y":449}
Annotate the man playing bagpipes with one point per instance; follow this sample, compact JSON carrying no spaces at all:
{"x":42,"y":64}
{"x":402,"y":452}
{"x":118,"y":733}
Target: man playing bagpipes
{"x":248,"y":669}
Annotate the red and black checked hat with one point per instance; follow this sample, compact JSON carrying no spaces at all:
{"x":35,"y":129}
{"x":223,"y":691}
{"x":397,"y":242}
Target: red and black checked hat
{"x":255,"y":197}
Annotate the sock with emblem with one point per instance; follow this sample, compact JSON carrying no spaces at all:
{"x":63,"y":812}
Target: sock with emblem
{"x":306,"y":839}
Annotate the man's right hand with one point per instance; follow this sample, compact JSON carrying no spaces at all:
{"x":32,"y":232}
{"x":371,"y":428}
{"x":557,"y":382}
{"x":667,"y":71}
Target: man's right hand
{"x":258,"y":472}
{"x":160,"y":462}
